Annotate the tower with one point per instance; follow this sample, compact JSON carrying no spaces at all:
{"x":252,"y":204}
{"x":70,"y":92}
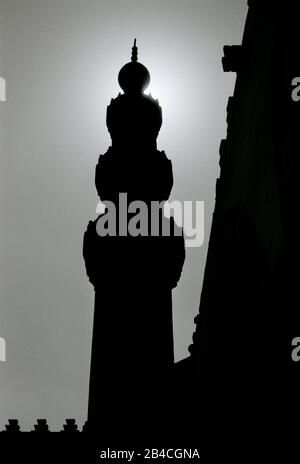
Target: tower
{"x":249,"y":311}
{"x":133,"y":265}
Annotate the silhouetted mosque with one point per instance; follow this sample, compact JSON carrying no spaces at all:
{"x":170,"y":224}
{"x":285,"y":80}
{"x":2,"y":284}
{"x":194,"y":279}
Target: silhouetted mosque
{"x":240,"y":376}
{"x":133,"y":270}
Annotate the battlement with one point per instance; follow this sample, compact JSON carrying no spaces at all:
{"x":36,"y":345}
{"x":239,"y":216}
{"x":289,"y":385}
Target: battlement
{"x":42,"y":426}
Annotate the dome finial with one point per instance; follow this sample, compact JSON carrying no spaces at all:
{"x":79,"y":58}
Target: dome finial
{"x":134,"y":77}
{"x":134,"y":54}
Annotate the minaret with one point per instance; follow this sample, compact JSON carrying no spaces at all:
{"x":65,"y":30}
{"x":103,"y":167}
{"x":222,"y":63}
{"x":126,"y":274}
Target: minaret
{"x":133,"y":272}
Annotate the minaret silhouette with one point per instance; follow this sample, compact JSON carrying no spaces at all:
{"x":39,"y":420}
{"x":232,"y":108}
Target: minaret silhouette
{"x":133,"y":274}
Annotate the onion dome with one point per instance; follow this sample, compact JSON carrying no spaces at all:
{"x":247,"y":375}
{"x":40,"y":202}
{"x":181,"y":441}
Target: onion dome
{"x":134,"y":77}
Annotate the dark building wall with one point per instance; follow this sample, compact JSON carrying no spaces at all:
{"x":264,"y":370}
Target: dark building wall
{"x":248,"y":311}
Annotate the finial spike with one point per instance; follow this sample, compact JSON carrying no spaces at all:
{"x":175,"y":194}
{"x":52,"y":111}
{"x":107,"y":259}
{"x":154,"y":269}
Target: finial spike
{"x":134,"y":55}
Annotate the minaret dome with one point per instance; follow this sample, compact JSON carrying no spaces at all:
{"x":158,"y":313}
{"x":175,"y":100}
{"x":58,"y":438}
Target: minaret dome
{"x":134,"y":77}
